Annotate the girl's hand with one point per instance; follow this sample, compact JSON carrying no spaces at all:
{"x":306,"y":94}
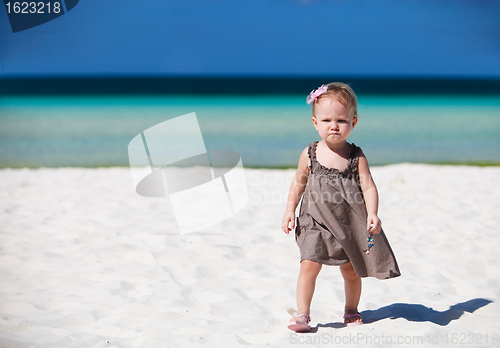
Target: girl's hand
{"x":288,"y":219}
{"x":375,"y":221}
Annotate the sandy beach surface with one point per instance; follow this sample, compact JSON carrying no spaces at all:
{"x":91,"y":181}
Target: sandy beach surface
{"x":86,"y":262}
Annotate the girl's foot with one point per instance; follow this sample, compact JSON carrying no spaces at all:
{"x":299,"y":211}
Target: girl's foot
{"x":300,"y":323}
{"x":352,"y":319}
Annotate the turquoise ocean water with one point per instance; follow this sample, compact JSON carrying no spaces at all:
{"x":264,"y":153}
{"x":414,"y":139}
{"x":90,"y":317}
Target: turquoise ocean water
{"x":267,"y":131}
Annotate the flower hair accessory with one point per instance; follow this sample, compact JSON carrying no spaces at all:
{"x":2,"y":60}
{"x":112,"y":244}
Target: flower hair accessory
{"x":313,"y":96}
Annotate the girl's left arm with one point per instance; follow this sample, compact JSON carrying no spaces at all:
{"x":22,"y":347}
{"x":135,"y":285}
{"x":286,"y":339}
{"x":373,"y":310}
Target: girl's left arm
{"x":370,"y":194}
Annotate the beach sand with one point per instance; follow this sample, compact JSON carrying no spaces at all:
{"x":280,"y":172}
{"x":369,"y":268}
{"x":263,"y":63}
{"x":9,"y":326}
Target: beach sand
{"x":86,"y":262}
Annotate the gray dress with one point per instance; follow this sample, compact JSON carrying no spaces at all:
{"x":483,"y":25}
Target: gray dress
{"x":331,"y":226}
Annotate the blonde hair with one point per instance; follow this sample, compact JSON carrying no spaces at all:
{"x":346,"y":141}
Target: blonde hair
{"x":341,"y":92}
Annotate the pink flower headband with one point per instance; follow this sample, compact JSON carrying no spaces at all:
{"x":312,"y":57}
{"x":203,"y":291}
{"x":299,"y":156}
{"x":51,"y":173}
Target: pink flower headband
{"x":313,"y":96}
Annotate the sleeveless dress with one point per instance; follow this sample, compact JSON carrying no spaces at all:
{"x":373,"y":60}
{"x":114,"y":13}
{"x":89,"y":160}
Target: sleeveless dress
{"x":331,"y":226}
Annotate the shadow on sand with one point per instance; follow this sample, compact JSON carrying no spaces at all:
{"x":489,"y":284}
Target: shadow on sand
{"x":415,"y":312}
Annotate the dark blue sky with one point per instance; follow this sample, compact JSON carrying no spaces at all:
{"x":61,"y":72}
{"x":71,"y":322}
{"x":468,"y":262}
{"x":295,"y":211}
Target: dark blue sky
{"x":261,"y":37}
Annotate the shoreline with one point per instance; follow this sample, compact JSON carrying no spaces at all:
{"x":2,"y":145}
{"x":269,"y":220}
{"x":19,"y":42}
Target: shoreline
{"x":456,"y":164}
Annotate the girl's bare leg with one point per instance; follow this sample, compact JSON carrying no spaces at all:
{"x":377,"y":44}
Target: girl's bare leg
{"x":309,"y":270}
{"x":352,"y":286}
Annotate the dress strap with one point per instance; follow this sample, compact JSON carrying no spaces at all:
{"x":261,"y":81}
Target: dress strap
{"x":354,"y":157}
{"x":311,"y":151}
{"x":318,"y":168}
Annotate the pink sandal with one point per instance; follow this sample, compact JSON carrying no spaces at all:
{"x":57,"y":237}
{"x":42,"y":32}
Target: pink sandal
{"x":300,"y":326}
{"x":351,"y":317}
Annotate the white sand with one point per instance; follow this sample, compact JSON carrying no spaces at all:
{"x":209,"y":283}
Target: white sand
{"x":86,"y":262}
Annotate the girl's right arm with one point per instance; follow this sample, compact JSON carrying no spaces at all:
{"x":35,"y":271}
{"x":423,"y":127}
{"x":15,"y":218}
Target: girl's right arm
{"x":296,"y":191}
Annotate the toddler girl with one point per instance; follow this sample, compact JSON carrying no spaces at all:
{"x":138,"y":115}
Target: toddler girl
{"x":338,"y":223}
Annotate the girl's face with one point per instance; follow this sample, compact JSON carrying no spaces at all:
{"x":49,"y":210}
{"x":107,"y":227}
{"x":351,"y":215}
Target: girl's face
{"x":333,"y":121}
